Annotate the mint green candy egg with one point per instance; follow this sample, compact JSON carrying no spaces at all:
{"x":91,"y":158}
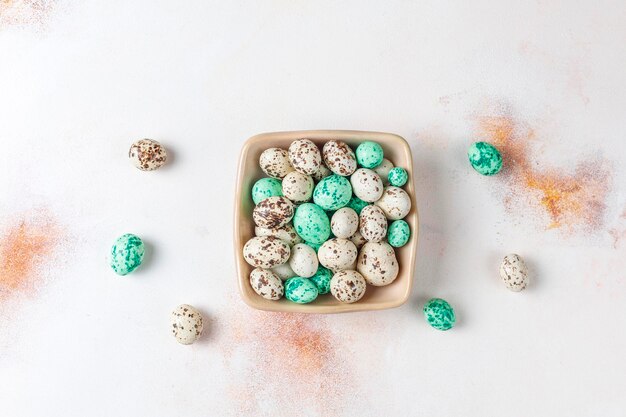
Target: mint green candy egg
{"x":265,"y":188}
{"x":369,"y":154}
{"x":398,"y":176}
{"x":311,"y":223}
{"x":439,"y":314}
{"x":321,"y":279}
{"x":485,"y":158}
{"x":300,"y":290}
{"x":398,"y":233}
{"x":126,"y":254}
{"x":315,"y":246}
{"x":357,"y":204}
{"x":332,"y":192}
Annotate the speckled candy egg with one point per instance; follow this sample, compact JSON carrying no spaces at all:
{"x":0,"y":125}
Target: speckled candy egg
{"x":186,"y":324}
{"x":303,"y":260}
{"x":273,"y":212}
{"x":311,"y":223}
{"x":398,"y":177}
{"x":358,"y":239}
{"x":322,"y":172}
{"x":332,"y":192}
{"x":369,"y":154}
{"x":147,"y":154}
{"x":339,"y":157}
{"x":304,"y":156}
{"x":126,"y":254}
{"x":321,"y":279}
{"x":283,"y":271}
{"x":348,"y":286}
{"x":314,"y":246}
{"x":395,"y":203}
{"x":485,"y":158}
{"x":377,"y":263}
{"x":286,"y":233}
{"x":439,"y":314}
{"x":337,"y":254}
{"x":514,"y":272}
{"x":266,"y":252}
{"x":366,"y":185}
{"x":373,"y":224}
{"x":275,"y":162}
{"x":298,"y":187}
{"x":300,"y":290}
{"x":398,"y":233}
{"x":357,"y":204}
{"x":265,"y":188}
{"x":344,"y":223}
{"x":383,"y":170}
{"x":266,"y":284}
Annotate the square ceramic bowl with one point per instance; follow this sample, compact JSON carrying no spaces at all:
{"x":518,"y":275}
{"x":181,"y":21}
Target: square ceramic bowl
{"x":376,"y":298}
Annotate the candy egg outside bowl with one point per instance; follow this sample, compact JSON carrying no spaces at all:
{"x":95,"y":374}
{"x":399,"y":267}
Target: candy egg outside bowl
{"x":395,"y":148}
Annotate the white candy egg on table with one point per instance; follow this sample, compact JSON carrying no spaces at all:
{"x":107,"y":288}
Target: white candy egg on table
{"x":186,"y":324}
{"x":377,"y":263}
{"x":514,"y":272}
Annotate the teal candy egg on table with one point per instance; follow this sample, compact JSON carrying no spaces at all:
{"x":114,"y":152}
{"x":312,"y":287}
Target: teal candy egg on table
{"x":265,"y":188}
{"x":321,"y":279}
{"x":397,"y":176}
{"x":439,"y":314}
{"x":398,"y":233}
{"x":485,"y":158}
{"x":127,"y":254}
{"x":357,"y":204}
{"x":311,"y":223}
{"x":369,"y":154}
{"x":300,"y":290}
{"x":332,"y":192}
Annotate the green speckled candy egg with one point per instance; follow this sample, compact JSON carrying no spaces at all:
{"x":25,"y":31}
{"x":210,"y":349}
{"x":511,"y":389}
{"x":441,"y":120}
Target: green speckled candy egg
{"x":126,"y":254}
{"x":266,"y":187}
{"x":300,"y":290}
{"x":321,"y":279}
{"x":311,"y":223}
{"x":369,"y":154}
{"x":315,"y":246}
{"x":357,"y":204}
{"x":332,"y":192}
{"x":439,"y":314}
{"x":485,"y":158}
{"x":398,"y":176}
{"x":398,"y":233}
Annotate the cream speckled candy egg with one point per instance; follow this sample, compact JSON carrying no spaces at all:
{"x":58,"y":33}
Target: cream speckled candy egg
{"x":266,"y":284}
{"x":186,"y":324}
{"x":377,"y":263}
{"x":514,"y":272}
{"x":273,"y":212}
{"x":304,"y":156}
{"x":348,"y":286}
{"x":339,"y":157}
{"x":266,"y":252}
{"x":298,"y":187}
{"x":283,"y":271}
{"x":321,"y":173}
{"x":383,"y":170}
{"x":287,"y":233}
{"x":366,"y":185}
{"x":275,"y":162}
{"x":344,"y":223}
{"x":303,"y":260}
{"x":337,"y":254}
{"x":395,"y":203}
{"x":358,"y":239}
{"x":373,"y":224}
{"x":147,"y":154}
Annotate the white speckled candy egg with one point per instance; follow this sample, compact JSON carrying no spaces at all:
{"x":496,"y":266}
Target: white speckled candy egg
{"x":339,"y":157}
{"x":348,"y":286}
{"x":377,"y":263}
{"x":275,"y":162}
{"x":337,"y":254}
{"x":366,"y":185}
{"x":287,"y":233}
{"x":186,"y":324}
{"x":266,"y":252}
{"x":304,"y":156}
{"x":266,"y":284}
{"x":298,"y":187}
{"x":373,"y":223}
{"x":273,"y":212}
{"x":344,"y":223}
{"x":383,"y":170}
{"x":321,"y":173}
{"x":283,"y":271}
{"x":303,"y":260}
{"x":358,"y":239}
{"x":395,"y":203}
{"x":514,"y":272}
{"x":147,"y":154}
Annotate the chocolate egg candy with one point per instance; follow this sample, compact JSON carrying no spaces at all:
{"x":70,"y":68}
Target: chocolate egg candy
{"x":348,"y":286}
{"x":275,"y":162}
{"x":332,"y":192}
{"x":514,"y":272}
{"x":266,"y":252}
{"x":298,"y":187}
{"x":127,"y":254}
{"x":283,"y":271}
{"x":339,"y":158}
{"x":439,"y":314}
{"x":265,"y":188}
{"x":373,"y":224}
{"x":398,"y":177}
{"x":369,"y":154}
{"x":300,"y":290}
{"x":322,"y":172}
{"x":311,"y":223}
{"x":304,"y":156}
{"x":377,"y":263}
{"x":321,"y":279}
{"x":485,"y":158}
{"x":186,"y":324}
{"x":366,"y":185}
{"x":147,"y":154}
{"x":395,"y":203}
{"x":344,"y":223}
{"x":337,"y":254}
{"x":383,"y":170}
{"x":286,"y":233}
{"x":398,"y":233}
{"x":303,"y":260}
{"x":265,"y":283}
{"x":273,"y":212}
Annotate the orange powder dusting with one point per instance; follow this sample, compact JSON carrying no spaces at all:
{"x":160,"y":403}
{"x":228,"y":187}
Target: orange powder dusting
{"x":25,"y":12}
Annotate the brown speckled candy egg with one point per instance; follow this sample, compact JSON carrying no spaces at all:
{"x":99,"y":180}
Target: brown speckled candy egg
{"x":514,"y":272}
{"x":395,"y":203}
{"x":339,"y":158}
{"x":147,"y":154}
{"x":348,"y":286}
{"x":186,"y":324}
{"x":337,"y":254}
{"x":275,"y":162}
{"x":358,"y":239}
{"x":283,"y":271}
{"x":287,"y":233}
{"x":266,"y":252}
{"x":383,"y":170}
{"x":373,"y":223}
{"x":366,"y":185}
{"x":298,"y":187}
{"x":344,"y":223}
{"x":321,"y":173}
{"x":266,"y":284}
{"x":304,"y":156}
{"x":273,"y":212}
{"x":303,"y":260}
{"x":377,"y":263}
